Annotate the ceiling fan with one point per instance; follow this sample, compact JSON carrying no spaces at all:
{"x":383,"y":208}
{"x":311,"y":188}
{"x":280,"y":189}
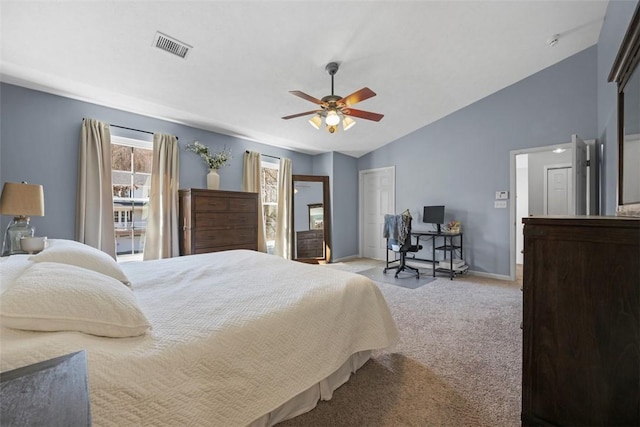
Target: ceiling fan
{"x":335,"y":108}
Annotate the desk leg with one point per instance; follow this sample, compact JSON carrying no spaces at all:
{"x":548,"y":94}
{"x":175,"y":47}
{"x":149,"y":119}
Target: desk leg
{"x":433,"y":255}
{"x":450,"y":257}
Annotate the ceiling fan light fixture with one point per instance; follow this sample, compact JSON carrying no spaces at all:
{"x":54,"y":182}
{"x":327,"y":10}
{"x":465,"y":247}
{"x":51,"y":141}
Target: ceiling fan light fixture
{"x":332,"y":118}
{"x":347,"y":123}
{"x":316,"y":121}
{"x":334,"y":107}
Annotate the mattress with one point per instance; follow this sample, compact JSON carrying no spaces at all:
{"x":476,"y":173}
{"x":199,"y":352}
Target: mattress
{"x":235,"y":336}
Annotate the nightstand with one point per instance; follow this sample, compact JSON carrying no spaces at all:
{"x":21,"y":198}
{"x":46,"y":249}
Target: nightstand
{"x":52,"y":393}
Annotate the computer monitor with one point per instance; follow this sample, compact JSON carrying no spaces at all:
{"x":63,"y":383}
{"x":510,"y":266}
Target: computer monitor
{"x":433,"y":215}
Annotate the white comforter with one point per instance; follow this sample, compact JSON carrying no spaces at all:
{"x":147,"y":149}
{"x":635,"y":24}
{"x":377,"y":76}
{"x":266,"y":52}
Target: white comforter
{"x":235,"y":334}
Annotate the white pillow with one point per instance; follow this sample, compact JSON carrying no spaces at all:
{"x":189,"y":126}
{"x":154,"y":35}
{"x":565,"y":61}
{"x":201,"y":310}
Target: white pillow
{"x":11,"y":267}
{"x":81,"y":255}
{"x":59,"y":297}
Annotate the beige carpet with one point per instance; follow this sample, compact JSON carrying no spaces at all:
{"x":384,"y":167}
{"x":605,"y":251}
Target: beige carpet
{"x":458,"y":362}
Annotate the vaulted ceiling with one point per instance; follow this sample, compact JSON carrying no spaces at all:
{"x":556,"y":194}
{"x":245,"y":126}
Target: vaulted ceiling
{"x":424,"y":59}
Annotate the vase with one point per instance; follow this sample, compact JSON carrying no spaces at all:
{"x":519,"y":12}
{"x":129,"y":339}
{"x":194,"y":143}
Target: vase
{"x":213,"y":180}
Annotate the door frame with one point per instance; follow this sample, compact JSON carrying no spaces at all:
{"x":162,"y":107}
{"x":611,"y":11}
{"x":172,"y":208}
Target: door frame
{"x":513,"y":192}
{"x":361,"y":200}
{"x":593,"y":165}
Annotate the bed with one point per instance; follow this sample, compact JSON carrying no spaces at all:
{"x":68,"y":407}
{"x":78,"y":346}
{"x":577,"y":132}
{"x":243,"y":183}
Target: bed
{"x":231,"y":338}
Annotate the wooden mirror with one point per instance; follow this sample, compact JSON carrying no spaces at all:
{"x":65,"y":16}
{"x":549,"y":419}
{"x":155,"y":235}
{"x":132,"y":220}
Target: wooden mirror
{"x":626,"y":73}
{"x":310,"y":219}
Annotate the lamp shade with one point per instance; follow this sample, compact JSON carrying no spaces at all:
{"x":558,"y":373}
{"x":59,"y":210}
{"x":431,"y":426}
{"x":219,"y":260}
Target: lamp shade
{"x":347,"y":123}
{"x":22,"y":199}
{"x":316,"y":121}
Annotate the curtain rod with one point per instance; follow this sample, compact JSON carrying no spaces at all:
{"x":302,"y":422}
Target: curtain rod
{"x":266,"y":155}
{"x":135,"y":130}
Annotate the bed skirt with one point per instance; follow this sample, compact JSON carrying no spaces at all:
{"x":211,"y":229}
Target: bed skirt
{"x":308,"y":399}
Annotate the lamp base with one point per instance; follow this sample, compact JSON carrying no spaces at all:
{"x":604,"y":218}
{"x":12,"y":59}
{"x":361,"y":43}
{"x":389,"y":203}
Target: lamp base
{"x":17,"y":229}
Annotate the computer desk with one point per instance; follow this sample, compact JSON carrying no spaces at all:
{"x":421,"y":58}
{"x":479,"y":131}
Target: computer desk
{"x":451,"y":243}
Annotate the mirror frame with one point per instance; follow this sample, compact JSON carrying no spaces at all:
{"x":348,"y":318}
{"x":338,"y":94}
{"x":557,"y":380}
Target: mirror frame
{"x":326,"y":219}
{"x":625,"y":64}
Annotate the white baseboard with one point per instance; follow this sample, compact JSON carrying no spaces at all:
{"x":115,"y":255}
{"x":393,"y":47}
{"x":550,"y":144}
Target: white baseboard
{"x":346,"y":258}
{"x":490,"y":275}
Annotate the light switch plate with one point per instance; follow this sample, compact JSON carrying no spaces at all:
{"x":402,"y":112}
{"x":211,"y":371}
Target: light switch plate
{"x":502,"y":195}
{"x":500,"y":204}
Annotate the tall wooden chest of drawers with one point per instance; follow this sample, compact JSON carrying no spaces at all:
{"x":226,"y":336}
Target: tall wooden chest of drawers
{"x":213,"y":220}
{"x":581,"y":323}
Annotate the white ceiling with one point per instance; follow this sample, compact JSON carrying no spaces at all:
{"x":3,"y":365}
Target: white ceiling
{"x":424,"y":59}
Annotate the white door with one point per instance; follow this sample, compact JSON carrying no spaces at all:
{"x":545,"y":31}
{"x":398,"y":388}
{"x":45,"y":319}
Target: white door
{"x":558,"y":191}
{"x":579,"y":163}
{"x":377,"y":189}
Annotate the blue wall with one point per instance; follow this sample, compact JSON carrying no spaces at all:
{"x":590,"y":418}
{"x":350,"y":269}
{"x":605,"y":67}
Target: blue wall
{"x":461,"y":160}
{"x":39,"y":144}
{"x":345,"y":206}
{"x":616,"y":21}
{"x":342,"y":171}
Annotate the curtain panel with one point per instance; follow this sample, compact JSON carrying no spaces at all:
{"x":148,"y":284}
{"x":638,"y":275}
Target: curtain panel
{"x":161,"y":237}
{"x":252,"y":182}
{"x":94,"y":196}
{"x":283,"y":225}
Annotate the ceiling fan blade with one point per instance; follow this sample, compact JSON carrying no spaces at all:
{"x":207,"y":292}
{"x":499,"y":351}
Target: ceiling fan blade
{"x":363,"y":114}
{"x":293,"y":116}
{"x":355,"y":97}
{"x":305,"y":96}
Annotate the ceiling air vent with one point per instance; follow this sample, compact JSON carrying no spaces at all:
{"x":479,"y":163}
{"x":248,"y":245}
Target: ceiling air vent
{"x":171,"y":45}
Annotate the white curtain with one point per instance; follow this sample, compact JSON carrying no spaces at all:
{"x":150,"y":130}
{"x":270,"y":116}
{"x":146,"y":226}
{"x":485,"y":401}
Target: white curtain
{"x":283,"y":226}
{"x":94,"y":197}
{"x":252,"y":182}
{"x":161,"y":237}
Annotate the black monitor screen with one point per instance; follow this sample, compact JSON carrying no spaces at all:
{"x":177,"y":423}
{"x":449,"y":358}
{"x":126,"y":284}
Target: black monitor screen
{"x":433,"y":215}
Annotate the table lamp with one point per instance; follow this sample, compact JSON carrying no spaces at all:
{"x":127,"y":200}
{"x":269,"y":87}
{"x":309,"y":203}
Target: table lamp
{"x":21,"y":200}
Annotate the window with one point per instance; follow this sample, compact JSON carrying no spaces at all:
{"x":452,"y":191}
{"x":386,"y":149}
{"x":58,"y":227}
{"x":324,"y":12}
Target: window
{"x":131,"y":180}
{"x":269,"y":181}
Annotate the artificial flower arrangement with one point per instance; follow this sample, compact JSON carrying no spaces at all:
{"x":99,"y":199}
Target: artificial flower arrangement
{"x":453,"y":226}
{"x":213,"y":161}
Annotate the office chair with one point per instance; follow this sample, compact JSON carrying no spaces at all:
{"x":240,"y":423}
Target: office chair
{"x":397,"y":230}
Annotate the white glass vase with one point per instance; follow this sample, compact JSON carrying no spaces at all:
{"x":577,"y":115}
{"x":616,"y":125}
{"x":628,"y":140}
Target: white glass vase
{"x":213,"y":180}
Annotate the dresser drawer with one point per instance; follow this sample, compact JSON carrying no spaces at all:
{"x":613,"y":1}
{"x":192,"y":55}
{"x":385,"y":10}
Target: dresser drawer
{"x":229,"y":204}
{"x":242,"y":205}
{"x":224,"y":220}
{"x":310,"y":235}
{"x":248,"y":246}
{"x":213,"y":238}
{"x":211,"y":204}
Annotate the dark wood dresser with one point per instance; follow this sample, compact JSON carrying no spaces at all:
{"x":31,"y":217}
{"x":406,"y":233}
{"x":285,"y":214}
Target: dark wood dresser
{"x":213,"y":220}
{"x":309,"y":244}
{"x":581,"y":323}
